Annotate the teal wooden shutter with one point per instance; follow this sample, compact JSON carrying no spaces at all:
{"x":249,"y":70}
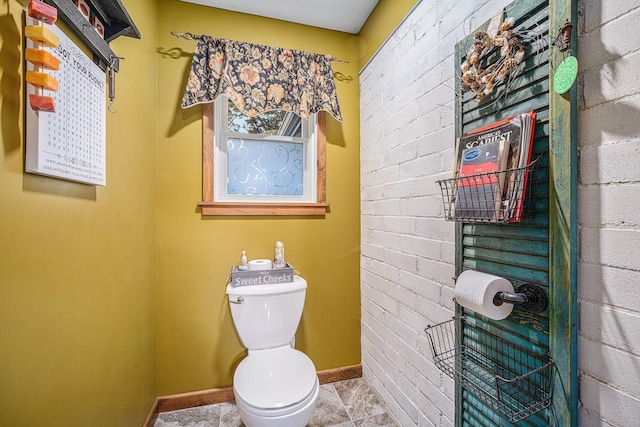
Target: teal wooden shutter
{"x":539,"y":251}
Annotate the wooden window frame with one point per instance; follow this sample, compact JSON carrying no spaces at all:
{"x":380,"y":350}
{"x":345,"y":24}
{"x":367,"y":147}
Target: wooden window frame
{"x":213,"y":208}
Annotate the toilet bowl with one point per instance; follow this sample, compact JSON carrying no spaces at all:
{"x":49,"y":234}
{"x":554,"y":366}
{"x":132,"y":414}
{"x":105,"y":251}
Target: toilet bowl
{"x":275,"y":385}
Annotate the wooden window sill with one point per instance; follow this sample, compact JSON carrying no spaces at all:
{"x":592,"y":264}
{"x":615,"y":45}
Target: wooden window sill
{"x":294,"y":209}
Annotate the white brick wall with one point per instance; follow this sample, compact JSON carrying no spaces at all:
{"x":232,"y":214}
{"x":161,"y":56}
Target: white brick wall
{"x":407,"y":248}
{"x":609,"y":213}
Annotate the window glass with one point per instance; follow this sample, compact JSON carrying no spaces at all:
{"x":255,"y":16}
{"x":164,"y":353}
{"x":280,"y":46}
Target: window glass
{"x":271,"y":168}
{"x":268,"y":123}
{"x":269,"y":158}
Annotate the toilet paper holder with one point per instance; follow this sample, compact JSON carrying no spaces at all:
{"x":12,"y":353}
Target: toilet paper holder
{"x":528,"y":296}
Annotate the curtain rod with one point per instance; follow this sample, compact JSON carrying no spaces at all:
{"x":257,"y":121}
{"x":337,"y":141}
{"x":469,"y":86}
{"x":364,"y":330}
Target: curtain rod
{"x":191,"y":36}
{"x":186,"y":35}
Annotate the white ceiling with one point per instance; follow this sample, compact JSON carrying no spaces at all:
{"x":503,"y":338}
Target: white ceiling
{"x":340,"y":15}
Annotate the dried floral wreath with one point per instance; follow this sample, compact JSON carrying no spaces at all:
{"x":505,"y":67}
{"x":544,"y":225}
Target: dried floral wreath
{"x":481,"y":81}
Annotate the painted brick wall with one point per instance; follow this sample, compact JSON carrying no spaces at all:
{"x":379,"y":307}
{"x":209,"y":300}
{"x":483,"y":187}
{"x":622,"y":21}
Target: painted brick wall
{"x":407,"y":260}
{"x":407,"y":248}
{"x":609,"y":213}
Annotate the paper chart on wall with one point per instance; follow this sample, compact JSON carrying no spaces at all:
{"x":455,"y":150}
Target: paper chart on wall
{"x":70,"y":143}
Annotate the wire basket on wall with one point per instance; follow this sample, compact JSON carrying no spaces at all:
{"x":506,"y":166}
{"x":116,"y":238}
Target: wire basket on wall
{"x":514,"y":381}
{"x":503,"y":197}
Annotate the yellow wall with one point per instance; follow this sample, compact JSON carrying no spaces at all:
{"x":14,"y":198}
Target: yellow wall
{"x":78,"y":265}
{"x":383,"y":20}
{"x":197,"y":344}
{"x":112,"y":295}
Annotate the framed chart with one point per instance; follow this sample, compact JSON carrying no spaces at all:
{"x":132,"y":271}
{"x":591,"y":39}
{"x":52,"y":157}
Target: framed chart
{"x":69,"y":143}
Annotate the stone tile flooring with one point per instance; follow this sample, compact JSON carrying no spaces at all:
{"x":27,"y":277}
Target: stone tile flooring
{"x":350,"y":403}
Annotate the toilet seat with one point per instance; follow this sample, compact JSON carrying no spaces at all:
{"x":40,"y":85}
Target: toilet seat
{"x":275,"y":381}
{"x":279,"y":413}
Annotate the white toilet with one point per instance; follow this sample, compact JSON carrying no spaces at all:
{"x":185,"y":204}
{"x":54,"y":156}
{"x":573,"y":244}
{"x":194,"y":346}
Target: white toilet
{"x":275,"y":385}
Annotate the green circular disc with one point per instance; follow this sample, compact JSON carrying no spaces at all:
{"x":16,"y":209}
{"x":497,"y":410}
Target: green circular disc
{"x":565,"y":75}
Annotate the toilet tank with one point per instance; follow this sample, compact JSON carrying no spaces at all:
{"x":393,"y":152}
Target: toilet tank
{"x":267,"y":316}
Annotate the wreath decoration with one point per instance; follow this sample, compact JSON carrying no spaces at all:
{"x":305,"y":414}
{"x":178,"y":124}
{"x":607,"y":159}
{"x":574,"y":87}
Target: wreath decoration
{"x":482,"y":81}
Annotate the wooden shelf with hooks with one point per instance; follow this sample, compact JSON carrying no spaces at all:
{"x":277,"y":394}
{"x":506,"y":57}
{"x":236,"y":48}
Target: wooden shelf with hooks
{"x":112,"y":14}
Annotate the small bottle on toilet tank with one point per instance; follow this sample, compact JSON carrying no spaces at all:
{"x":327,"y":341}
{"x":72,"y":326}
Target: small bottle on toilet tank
{"x":278,"y":259}
{"x":244,"y":265}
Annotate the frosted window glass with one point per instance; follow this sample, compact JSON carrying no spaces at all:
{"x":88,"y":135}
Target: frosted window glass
{"x":265,"y":167}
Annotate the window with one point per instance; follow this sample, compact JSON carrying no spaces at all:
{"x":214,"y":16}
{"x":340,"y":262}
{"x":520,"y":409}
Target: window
{"x":271,"y":164}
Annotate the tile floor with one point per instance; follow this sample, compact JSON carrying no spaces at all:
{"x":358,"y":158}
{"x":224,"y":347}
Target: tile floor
{"x":349,"y":403}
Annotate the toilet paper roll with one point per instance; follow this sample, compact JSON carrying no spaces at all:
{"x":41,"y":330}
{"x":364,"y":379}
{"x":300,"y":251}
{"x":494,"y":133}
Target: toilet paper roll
{"x":259,"y":264}
{"x":475,"y":290}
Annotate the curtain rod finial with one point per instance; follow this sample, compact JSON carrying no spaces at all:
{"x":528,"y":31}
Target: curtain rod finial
{"x":186,"y":35}
{"x":334,"y":59}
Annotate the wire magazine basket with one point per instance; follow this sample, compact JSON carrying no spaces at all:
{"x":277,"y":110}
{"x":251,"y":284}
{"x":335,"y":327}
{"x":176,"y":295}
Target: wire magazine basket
{"x":512,"y":380}
{"x":505,"y":196}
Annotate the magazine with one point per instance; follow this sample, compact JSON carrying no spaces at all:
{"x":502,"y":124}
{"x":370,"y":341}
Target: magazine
{"x":519,"y":177}
{"x":481,"y":182}
{"x":513,"y":157}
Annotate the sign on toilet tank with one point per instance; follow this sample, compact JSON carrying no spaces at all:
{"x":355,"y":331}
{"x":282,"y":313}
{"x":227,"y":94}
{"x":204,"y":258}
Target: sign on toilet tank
{"x":262,"y":277}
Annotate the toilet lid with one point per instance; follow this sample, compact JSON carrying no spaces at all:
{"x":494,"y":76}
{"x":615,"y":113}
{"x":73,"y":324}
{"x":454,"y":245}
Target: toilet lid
{"x":275,"y":378}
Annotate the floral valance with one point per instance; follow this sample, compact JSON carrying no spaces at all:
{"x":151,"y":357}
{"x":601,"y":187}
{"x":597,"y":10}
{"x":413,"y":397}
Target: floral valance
{"x":261,"y":78}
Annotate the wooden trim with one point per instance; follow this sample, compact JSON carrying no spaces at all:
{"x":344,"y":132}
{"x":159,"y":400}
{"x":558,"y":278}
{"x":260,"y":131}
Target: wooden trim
{"x":459,"y":51}
{"x":321,"y":190}
{"x":231,"y":208}
{"x":210,"y":207}
{"x":153,"y":414}
{"x":193,"y":399}
{"x":340,"y":374}
{"x":563,"y":227}
{"x":212,"y":396}
{"x":207,"y":152}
